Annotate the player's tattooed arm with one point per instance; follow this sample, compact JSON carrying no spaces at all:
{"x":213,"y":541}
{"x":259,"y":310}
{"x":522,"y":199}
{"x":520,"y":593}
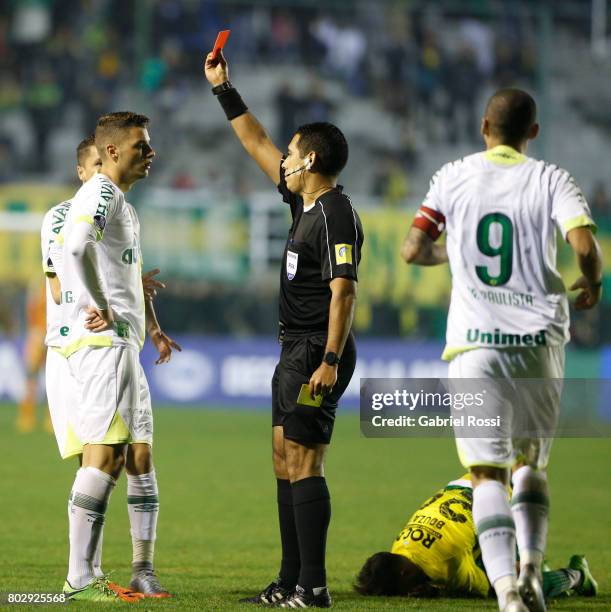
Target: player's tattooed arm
{"x":420,"y":249}
{"x":590,"y":263}
{"x":246,"y":126}
{"x":161,"y":341}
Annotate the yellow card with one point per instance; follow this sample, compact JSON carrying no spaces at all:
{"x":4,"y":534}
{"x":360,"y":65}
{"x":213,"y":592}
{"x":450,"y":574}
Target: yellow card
{"x":304,"y":398}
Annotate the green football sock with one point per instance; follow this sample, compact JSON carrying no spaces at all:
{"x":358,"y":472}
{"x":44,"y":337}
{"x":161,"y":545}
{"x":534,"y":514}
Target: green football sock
{"x":557,"y":582}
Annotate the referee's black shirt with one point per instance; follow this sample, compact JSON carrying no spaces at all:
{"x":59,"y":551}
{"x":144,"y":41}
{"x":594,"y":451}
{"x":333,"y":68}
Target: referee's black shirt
{"x":324,"y":242}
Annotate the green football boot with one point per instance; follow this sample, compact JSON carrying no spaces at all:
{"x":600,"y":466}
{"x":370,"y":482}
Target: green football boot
{"x":97,"y":590}
{"x":588,"y":586}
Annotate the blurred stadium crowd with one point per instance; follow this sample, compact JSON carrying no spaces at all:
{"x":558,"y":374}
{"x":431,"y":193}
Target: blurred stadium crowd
{"x":405,"y":81}
{"x":65,"y":61}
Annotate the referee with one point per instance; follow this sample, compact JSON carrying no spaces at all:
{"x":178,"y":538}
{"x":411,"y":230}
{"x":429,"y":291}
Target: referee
{"x":317,"y":298}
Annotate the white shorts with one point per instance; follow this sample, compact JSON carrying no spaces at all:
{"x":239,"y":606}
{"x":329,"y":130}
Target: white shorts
{"x":61,"y":396}
{"x":113,"y":398}
{"x":528,"y":411}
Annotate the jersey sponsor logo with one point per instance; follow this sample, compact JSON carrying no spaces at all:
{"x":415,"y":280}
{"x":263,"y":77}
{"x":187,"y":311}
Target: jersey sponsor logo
{"x":67,"y":297}
{"x":343,"y":254}
{"x":64,"y":330}
{"x":106,"y":193}
{"x":416,"y":533}
{"x":501,"y":338}
{"x":130,"y":256}
{"x":99,"y":221}
{"x":122,"y":329}
{"x":59,"y":217}
{"x":291,"y":264}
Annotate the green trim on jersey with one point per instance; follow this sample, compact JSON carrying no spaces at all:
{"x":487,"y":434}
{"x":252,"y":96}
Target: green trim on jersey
{"x":505,"y":156}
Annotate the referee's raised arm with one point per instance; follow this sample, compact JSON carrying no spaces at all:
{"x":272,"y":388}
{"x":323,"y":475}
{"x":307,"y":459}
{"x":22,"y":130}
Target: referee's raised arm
{"x":249,"y":131}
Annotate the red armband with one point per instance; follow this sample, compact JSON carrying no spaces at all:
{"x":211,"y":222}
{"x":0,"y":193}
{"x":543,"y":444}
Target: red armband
{"x":430,"y":221}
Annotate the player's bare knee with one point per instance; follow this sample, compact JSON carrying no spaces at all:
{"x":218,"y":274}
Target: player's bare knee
{"x":107,"y":458}
{"x":139,"y":459}
{"x":118,"y":462}
{"x":482,"y":473}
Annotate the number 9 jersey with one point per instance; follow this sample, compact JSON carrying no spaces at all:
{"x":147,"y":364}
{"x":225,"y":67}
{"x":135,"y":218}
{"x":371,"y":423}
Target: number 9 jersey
{"x":501,"y":210}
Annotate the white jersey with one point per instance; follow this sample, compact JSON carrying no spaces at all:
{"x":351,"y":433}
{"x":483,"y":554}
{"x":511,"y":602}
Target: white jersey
{"x":502,"y":210}
{"x":52,"y":225}
{"x":113,"y":224}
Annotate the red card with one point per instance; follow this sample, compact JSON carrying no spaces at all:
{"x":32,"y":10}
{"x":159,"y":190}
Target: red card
{"x":221,"y":39}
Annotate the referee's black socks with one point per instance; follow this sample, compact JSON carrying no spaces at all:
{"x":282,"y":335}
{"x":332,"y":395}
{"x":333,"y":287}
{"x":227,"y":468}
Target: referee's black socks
{"x":312,"y":507}
{"x":289,"y":567}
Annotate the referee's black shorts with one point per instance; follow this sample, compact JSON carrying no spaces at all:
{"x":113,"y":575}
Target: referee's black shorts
{"x":299,"y":359}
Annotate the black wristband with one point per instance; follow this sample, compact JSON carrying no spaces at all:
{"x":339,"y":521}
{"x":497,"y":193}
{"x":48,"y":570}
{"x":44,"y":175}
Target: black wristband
{"x":596,"y":285}
{"x":224,"y":86}
{"x":232,"y":103}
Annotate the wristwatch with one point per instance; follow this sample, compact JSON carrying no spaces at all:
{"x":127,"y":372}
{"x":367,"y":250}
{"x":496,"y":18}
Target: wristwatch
{"x":225,"y":86}
{"x":331,"y":358}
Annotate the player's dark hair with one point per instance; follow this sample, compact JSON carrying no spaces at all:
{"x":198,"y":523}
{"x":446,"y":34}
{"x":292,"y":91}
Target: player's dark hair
{"x":389,"y":574}
{"x":329,"y":144}
{"x":82,"y":148}
{"x":511,"y":113}
{"x":110,"y":126}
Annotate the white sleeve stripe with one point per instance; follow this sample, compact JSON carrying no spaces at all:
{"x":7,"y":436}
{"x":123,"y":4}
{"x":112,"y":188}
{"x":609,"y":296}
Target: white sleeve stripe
{"x":356,"y":234}
{"x":426,"y":216}
{"x":327,"y":231}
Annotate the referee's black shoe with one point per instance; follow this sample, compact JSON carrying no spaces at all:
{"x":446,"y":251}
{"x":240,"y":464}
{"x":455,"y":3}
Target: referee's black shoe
{"x":271,"y":594}
{"x":300,"y":598}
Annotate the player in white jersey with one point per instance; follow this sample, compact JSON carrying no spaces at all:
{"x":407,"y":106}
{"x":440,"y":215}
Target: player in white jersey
{"x":59,"y":384}
{"x":508,"y":319}
{"x":105,"y":313}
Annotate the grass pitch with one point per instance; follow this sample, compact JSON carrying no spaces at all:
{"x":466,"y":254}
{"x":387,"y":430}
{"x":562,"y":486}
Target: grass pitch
{"x":217,"y":534}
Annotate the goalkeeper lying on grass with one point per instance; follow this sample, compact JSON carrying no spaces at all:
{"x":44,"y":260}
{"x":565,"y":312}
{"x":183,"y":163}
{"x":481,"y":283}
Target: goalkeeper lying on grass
{"x":437,"y":553}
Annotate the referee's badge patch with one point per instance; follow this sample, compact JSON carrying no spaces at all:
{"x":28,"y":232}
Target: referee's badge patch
{"x":343,"y":254}
{"x":291,"y":264}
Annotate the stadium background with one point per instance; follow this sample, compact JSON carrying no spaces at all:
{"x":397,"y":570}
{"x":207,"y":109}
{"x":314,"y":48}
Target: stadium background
{"x":405,"y":80}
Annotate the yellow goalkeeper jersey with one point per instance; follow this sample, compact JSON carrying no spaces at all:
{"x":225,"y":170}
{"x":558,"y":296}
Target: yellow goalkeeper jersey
{"x":440,"y":538}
